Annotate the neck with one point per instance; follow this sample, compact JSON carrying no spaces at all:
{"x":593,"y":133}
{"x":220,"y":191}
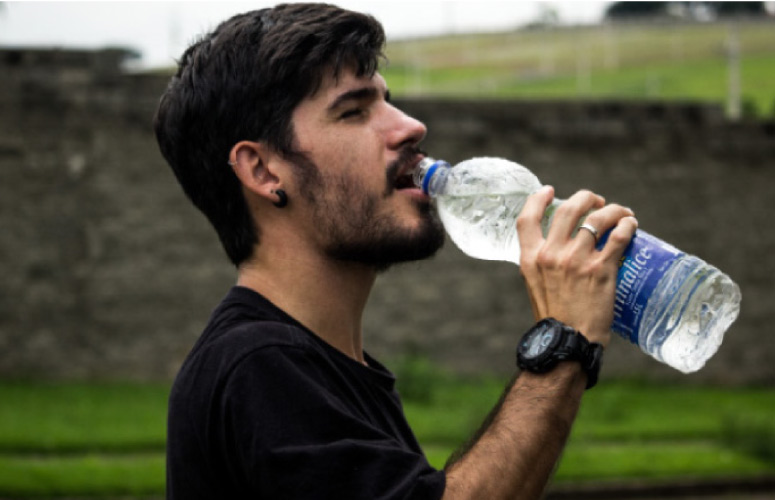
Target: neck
{"x":326,"y":296}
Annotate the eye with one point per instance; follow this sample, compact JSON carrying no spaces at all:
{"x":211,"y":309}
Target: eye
{"x":351,"y":113}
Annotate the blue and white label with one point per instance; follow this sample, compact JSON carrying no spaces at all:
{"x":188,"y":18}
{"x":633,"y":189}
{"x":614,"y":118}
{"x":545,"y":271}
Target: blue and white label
{"x":644,"y":263}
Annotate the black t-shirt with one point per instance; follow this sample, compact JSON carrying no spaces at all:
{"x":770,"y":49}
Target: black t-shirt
{"x":263,"y":408}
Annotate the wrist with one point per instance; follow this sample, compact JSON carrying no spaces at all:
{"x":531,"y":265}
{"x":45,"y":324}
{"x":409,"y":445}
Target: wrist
{"x":600,"y":337}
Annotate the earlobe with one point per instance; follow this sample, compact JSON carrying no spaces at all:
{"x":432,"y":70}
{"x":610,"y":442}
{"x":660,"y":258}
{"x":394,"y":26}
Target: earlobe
{"x":282,"y":198}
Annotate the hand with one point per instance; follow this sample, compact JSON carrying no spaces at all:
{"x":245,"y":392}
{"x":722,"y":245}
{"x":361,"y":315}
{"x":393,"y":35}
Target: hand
{"x":566,"y":276}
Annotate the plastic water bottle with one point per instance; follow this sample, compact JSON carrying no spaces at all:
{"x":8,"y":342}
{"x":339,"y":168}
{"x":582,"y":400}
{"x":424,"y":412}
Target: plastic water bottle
{"x":675,"y":306}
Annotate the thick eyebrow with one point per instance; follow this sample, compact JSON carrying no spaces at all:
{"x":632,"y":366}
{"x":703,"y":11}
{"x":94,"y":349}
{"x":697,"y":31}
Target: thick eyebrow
{"x":359,"y":94}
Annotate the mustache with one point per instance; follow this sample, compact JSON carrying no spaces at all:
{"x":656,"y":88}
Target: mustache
{"x":405,"y":157}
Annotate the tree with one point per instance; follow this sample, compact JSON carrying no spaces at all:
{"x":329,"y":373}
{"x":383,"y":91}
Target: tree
{"x":735,"y":9}
{"x":631,"y":10}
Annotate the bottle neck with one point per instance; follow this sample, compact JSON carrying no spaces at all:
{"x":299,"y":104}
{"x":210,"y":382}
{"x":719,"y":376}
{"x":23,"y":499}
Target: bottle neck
{"x":428,"y":173}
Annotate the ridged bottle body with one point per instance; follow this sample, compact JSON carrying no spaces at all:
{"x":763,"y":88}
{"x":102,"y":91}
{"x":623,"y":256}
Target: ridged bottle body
{"x":675,"y":306}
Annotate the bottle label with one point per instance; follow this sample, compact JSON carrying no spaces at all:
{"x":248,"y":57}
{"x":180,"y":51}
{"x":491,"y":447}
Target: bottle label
{"x":644,"y":263}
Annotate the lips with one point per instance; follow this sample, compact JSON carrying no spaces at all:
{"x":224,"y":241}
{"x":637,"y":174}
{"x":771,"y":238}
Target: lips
{"x":404,"y":182}
{"x":403,"y":175}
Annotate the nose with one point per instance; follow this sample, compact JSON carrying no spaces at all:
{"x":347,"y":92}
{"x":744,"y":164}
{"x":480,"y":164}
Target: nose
{"x":405,"y":130}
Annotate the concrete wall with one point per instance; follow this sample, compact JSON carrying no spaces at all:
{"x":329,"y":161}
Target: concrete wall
{"x":110,"y":272}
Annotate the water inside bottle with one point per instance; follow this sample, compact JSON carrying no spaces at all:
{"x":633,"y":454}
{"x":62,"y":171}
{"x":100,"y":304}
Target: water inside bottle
{"x":687,"y":316}
{"x":483,"y":226}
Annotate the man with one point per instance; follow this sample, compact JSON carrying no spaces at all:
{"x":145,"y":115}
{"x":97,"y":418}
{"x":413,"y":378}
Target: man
{"x":280,"y":129}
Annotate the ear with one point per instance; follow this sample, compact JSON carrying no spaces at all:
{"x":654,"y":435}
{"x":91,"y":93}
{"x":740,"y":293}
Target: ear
{"x":255,"y":165}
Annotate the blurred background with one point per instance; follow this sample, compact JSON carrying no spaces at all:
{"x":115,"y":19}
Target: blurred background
{"x":110,"y":274}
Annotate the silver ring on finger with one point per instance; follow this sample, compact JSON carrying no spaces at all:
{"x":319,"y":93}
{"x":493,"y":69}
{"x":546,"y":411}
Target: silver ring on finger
{"x":592,"y":230}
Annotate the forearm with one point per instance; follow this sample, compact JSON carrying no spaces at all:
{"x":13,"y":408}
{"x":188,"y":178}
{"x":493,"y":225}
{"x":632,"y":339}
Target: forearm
{"x":516,"y":454}
{"x":571,"y":280}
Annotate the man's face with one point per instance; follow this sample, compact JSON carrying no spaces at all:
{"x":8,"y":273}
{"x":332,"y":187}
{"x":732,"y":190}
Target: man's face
{"x":364,"y":207}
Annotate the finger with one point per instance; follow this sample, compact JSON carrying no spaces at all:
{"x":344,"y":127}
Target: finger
{"x":530,"y":241}
{"x":529,"y":220}
{"x":567,"y":216}
{"x":600,"y":221}
{"x":587,"y":228}
{"x":619,"y":239}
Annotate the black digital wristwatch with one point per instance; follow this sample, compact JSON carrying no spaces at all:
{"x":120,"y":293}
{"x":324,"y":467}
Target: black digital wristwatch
{"x":549,"y":342}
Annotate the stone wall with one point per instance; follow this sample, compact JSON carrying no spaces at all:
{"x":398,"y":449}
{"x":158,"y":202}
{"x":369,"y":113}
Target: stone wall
{"x":110,"y":272}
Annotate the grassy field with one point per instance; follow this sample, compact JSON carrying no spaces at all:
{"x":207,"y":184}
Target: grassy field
{"x":623,"y":61}
{"x":70,"y":439}
{"x":625,"y":429}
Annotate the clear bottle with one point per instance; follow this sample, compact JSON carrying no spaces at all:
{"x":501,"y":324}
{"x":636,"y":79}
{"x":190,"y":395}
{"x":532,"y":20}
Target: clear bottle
{"x":675,"y":306}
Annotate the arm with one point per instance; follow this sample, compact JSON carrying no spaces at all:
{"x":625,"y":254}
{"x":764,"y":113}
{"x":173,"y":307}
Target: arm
{"x":571,"y":281}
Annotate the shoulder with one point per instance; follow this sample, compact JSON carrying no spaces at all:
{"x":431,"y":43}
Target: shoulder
{"x":231,"y":347}
{"x":245,"y":324}
{"x":243,"y":365}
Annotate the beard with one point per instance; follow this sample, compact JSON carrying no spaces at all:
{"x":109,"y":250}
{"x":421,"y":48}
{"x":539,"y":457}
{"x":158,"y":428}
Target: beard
{"x":365,"y":237}
{"x":353,"y":229}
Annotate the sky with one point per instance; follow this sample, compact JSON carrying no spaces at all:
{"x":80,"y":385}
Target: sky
{"x":161,"y":31}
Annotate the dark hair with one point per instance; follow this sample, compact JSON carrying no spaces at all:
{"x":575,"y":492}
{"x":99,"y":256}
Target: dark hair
{"x":242,"y":81}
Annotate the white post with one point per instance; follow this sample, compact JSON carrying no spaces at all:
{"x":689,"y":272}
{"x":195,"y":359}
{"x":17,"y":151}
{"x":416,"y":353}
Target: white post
{"x":734,"y":108}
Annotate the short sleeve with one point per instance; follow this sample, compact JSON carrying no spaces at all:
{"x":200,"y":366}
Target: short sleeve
{"x":292,"y":429}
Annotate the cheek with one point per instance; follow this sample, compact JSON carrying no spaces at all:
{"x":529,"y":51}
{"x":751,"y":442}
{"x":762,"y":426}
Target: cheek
{"x":353,"y":153}
{"x":337,"y":151}
{"x":345,"y":203}
{"x":358,"y":161}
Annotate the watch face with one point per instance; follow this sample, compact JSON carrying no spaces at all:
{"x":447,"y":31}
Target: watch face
{"x":539,"y":342}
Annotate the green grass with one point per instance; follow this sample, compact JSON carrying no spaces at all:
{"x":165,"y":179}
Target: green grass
{"x":625,"y":429}
{"x":624,"y":61}
{"x":89,"y":474}
{"x":657,"y":460}
{"x":101,"y":440}
{"x":80,"y":417}
{"x":86,"y":439}
{"x":696,"y":80}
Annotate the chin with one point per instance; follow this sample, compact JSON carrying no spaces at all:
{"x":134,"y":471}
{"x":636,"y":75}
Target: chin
{"x":383,"y":249}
